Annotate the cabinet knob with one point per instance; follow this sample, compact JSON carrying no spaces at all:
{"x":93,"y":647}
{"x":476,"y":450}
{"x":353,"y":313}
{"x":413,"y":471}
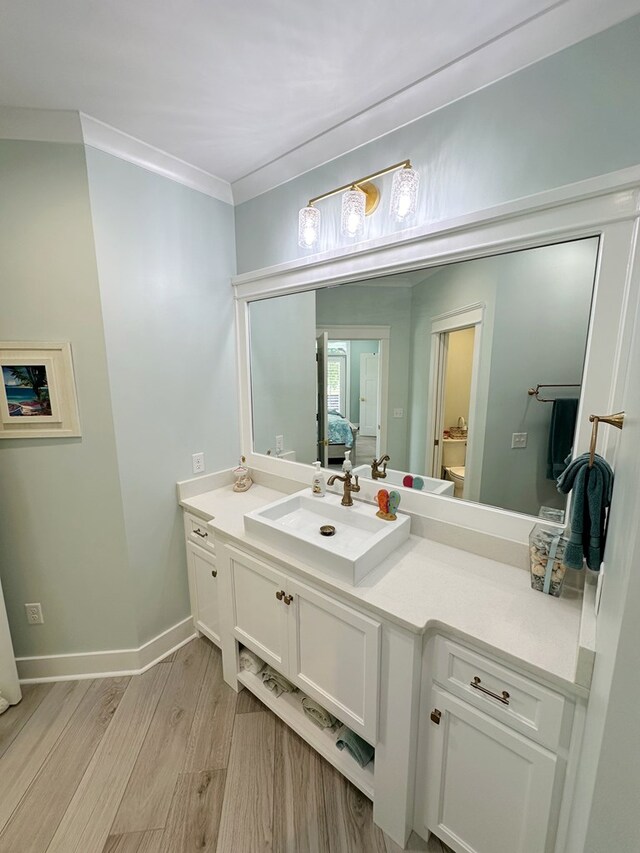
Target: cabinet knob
{"x":436,"y":716}
{"x":214,"y":573}
{"x":288,"y":599}
{"x":280,"y":594}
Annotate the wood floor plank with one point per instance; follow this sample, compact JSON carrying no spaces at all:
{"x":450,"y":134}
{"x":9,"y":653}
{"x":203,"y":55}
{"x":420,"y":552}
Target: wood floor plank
{"x":210,"y":737}
{"x":246,"y":821}
{"x":53,"y":788}
{"x":147,"y":798}
{"x":349,"y":816}
{"x":194,"y":817}
{"x":12,"y":721}
{"x":299,"y":820}
{"x":248,"y":704}
{"x":134,"y":842}
{"x":86,"y":823}
{"x":26,"y":755}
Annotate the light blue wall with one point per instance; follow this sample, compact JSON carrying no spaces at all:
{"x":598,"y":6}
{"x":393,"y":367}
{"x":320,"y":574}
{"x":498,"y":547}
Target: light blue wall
{"x":543,"y":302}
{"x":283,"y":374}
{"x":165,"y":256}
{"x":571,"y":116}
{"x":62,"y":532}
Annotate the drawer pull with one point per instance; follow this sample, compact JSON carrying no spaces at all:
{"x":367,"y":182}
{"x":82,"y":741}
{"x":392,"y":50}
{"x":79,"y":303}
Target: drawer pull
{"x":436,"y":716}
{"x":280,"y":594}
{"x":288,"y":599}
{"x":199,"y":533}
{"x":478,"y":686}
{"x":214,"y":573}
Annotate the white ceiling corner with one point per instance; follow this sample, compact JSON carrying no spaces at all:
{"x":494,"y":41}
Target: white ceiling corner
{"x":102,"y":136}
{"x":244,"y":97}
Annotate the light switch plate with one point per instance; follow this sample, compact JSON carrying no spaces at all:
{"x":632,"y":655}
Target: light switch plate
{"x":518,"y":440}
{"x":279,"y":443}
{"x":197,"y":463}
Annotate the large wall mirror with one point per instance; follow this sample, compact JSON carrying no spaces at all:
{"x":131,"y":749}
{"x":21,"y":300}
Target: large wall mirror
{"x":432,"y":367}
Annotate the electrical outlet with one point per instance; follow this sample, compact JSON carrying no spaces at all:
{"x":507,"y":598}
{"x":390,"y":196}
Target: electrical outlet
{"x":279,"y":443}
{"x":398,"y":413}
{"x":518,"y":440}
{"x":34,"y":613}
{"x":197,"y":463}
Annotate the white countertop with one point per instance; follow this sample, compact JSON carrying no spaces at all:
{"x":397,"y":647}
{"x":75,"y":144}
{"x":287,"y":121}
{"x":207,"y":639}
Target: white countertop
{"x":428,"y":586}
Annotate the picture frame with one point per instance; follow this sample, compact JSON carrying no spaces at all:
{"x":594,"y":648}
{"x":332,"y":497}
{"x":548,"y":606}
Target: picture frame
{"x":37,"y":391}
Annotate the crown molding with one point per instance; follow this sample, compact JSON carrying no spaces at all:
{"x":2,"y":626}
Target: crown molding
{"x":563,"y":25}
{"x":109,"y":139}
{"x":40,"y":125}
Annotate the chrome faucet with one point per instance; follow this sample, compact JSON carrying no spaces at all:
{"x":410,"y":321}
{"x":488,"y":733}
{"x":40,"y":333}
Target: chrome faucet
{"x":348,"y":487}
{"x":376,"y":473}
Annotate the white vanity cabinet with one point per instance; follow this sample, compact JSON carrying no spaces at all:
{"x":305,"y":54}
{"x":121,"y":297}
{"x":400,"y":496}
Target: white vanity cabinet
{"x":329,"y":650}
{"x":203,"y":578}
{"x":488,"y":754}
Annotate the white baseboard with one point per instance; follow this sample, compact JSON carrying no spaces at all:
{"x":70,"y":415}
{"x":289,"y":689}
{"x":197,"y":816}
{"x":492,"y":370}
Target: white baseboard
{"x":118,"y":662}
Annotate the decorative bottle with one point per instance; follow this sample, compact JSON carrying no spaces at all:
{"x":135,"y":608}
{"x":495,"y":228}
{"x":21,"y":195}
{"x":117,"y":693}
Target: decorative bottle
{"x":318,"y":484}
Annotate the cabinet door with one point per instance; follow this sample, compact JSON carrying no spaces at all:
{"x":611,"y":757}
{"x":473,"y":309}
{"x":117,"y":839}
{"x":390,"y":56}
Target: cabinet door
{"x":203,"y":576}
{"x":259,"y":616}
{"x":335,"y":657}
{"x":488,"y":789}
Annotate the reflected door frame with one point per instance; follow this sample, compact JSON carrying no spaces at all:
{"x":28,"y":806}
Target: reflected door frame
{"x":381,"y":334}
{"x":465,"y":317}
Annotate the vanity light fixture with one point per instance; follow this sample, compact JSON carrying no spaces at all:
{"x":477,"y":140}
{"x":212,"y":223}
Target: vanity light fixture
{"x":360,"y":198}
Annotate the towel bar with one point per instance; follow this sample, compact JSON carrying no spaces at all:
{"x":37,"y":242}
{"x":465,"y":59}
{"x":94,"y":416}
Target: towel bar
{"x":616,"y":420}
{"x":534,"y":392}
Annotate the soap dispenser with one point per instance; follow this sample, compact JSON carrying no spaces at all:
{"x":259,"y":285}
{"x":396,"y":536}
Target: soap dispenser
{"x":318,"y":484}
{"x":347,"y":465}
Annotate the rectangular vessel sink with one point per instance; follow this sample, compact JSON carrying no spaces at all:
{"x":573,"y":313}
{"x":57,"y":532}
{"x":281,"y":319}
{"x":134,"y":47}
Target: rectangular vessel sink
{"x":361,"y":541}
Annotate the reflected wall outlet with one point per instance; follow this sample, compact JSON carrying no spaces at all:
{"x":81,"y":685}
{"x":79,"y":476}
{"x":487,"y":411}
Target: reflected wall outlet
{"x":279,"y":443}
{"x":398,"y":413}
{"x":518,"y":440}
{"x":197,"y":461}
{"x":34,"y":613}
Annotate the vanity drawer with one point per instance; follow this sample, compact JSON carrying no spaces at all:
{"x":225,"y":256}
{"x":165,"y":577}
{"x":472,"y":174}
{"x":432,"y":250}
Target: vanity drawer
{"x":196,"y":531}
{"x":529,"y":708}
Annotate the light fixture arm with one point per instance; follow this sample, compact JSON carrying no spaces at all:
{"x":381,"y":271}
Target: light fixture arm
{"x":405,"y":164}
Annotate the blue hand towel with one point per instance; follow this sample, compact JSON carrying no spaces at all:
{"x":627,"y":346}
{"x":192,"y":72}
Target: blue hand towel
{"x":561,"y":430}
{"x":592,"y":489}
{"x":361,"y":751}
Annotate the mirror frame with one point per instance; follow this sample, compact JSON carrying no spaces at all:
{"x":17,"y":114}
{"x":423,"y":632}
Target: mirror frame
{"x":606,"y":207}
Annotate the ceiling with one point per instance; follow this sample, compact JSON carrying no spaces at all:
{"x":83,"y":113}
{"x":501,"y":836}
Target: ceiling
{"x":236,"y":87}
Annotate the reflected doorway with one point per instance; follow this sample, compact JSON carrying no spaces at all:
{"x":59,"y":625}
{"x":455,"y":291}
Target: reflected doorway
{"x":452,"y":398}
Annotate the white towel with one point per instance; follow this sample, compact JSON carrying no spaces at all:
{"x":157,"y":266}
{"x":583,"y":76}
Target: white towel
{"x":3,"y":704}
{"x":250,"y":661}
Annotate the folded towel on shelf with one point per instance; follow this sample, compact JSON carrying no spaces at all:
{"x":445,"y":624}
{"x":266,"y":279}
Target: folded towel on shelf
{"x":592,"y":488}
{"x":361,"y":751}
{"x":561,"y":430}
{"x":318,"y":714}
{"x":250,"y":662}
{"x":276,"y":683}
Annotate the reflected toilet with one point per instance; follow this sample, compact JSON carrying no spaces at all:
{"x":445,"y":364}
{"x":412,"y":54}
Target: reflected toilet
{"x":454,"y":453}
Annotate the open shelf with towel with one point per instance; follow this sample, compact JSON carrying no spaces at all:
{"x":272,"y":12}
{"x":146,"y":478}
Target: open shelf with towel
{"x":288,"y":707}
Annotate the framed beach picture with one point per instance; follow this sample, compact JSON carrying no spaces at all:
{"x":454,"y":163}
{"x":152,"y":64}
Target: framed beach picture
{"x":37,"y":391}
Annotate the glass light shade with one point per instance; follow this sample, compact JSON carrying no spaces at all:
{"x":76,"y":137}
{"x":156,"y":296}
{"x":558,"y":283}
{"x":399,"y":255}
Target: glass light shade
{"x":353,"y":204}
{"x":404,"y":194}
{"x":308,"y":227}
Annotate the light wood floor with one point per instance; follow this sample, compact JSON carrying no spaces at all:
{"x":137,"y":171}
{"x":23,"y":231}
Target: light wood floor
{"x":171,"y":761}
